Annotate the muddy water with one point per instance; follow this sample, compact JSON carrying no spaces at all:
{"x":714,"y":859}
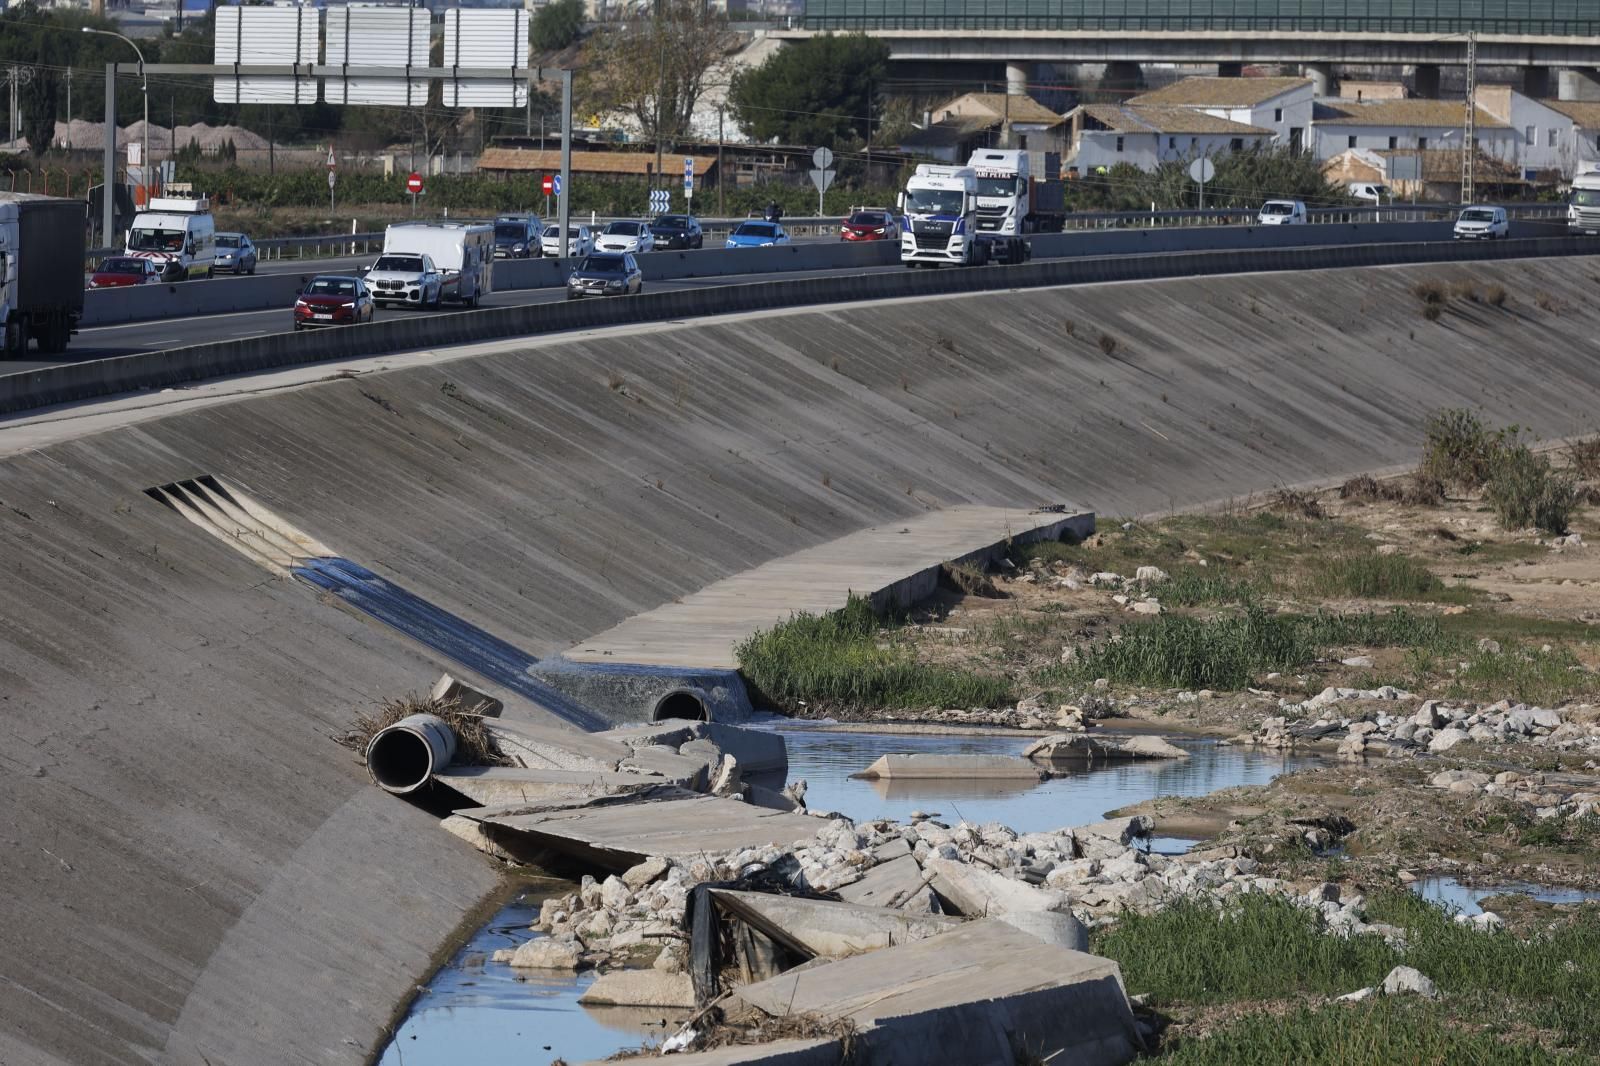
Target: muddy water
{"x":827,"y":759}
{"x":1450,"y":893}
{"x":487,"y":1014}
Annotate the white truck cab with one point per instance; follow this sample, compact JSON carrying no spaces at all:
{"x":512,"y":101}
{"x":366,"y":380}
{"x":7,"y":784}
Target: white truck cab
{"x":1583,"y":205}
{"x":178,"y":233}
{"x":939,"y":208}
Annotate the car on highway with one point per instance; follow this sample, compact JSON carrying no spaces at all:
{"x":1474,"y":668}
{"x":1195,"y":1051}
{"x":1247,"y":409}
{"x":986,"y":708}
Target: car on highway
{"x":870,"y":224}
{"x":517,"y":237}
{"x":677,"y":231}
{"x":1482,"y":224}
{"x":333,"y":300}
{"x":580,"y":241}
{"x":757,"y":235}
{"x":1370,"y":192}
{"x":606,"y":274}
{"x":120,"y":271}
{"x":1282,"y":213}
{"x":235,"y":254}
{"x":626,"y":237}
{"x":405,"y":278}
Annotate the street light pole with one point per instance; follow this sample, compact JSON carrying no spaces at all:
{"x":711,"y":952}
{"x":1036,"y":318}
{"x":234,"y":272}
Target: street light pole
{"x":144,"y":92}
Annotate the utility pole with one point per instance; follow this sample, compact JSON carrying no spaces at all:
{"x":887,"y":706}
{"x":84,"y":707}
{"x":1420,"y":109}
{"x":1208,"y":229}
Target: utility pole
{"x":661,"y":88}
{"x":69,"y":112}
{"x":564,"y":206}
{"x":721,"y":213}
{"x":1470,"y":128}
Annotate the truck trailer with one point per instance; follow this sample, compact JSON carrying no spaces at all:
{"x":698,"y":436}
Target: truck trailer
{"x":462,"y":251}
{"x":42,"y":251}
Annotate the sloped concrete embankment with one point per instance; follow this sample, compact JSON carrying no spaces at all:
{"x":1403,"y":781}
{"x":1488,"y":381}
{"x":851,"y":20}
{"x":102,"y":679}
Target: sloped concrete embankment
{"x":195,"y":872}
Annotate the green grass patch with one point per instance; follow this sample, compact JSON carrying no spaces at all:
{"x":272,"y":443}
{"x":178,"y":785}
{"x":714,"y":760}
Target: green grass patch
{"x":1265,"y":948}
{"x":851,"y":659}
{"x":1524,"y":672}
{"x":1370,"y":576}
{"x":1228,"y":651}
{"x":1193,"y":586}
{"x":1383,"y":1031}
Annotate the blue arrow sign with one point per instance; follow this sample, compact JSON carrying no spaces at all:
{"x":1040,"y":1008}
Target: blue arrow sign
{"x":556,"y":185}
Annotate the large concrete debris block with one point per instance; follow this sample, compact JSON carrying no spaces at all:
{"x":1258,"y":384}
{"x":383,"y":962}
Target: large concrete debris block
{"x":976,"y":995}
{"x":899,"y":883}
{"x":547,"y":747}
{"x":979,"y":892}
{"x":495,"y":786}
{"x":1085,"y":747}
{"x":824,"y":928}
{"x":641,"y":988}
{"x":471,"y":700}
{"x":959,"y":767}
{"x":758,"y":751}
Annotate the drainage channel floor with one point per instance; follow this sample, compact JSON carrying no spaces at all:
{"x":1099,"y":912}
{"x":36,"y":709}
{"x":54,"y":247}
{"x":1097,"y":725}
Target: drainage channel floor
{"x":478,"y":1011}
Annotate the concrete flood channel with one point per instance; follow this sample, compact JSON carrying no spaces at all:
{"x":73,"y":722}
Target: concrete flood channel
{"x":495,"y":1014}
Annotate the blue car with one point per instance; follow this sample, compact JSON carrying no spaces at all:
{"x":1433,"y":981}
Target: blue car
{"x":757,"y":235}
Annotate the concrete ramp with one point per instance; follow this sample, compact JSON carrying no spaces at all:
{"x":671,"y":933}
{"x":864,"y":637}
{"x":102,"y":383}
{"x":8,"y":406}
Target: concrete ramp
{"x":892,"y":565}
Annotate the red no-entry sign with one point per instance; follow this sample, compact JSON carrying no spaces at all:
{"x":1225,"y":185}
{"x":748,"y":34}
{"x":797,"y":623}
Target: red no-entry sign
{"x":549,"y":185}
{"x":414,"y":184}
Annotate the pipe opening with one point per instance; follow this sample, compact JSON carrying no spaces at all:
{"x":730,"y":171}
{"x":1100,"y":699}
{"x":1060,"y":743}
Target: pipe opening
{"x":404,"y":757}
{"x":680,"y":704}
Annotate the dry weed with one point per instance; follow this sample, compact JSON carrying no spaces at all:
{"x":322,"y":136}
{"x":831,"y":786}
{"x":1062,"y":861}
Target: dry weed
{"x":474,"y":744}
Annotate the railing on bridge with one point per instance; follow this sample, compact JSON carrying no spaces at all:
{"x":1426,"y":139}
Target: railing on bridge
{"x":1560,"y":18}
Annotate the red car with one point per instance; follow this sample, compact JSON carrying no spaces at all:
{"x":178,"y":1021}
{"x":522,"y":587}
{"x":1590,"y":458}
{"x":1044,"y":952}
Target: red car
{"x":119,"y":271}
{"x":333,"y":300}
{"x":870,"y":224}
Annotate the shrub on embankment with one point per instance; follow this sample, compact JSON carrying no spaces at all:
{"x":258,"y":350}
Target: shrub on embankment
{"x":843,"y":659}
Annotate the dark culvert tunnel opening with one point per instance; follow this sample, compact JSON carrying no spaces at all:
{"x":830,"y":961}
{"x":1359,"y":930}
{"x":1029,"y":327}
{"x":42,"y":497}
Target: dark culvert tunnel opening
{"x":681,"y":704}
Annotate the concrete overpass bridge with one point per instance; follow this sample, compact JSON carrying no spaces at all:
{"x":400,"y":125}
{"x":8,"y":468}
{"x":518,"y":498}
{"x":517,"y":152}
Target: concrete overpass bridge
{"x":1539,"y":37}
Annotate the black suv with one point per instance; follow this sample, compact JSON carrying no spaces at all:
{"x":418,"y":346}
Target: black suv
{"x":517,"y":237}
{"x":677,"y":231}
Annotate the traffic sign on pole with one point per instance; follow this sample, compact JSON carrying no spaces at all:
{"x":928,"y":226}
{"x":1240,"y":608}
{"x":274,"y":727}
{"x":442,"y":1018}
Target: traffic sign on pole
{"x":555,"y":184}
{"x":414,"y":183}
{"x":688,"y":167}
{"x":549,"y":185}
{"x":660,"y":200}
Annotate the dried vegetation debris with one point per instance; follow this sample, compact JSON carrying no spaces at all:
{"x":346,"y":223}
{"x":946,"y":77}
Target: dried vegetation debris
{"x":475,"y":744}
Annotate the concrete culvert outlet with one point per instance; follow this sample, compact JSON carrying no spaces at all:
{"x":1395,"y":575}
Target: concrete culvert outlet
{"x":680,"y":703}
{"x":403,"y":757}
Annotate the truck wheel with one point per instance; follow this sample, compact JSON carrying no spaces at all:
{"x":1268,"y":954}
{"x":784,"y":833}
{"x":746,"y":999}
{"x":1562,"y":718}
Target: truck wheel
{"x":16,"y":339}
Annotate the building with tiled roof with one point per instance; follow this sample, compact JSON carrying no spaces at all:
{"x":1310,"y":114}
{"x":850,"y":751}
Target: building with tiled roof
{"x":1585,"y":118}
{"x":1108,"y":135}
{"x":1282,"y":105}
{"x":1413,"y":125}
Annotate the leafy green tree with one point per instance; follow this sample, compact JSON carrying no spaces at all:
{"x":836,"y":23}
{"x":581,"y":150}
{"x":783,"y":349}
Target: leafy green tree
{"x":1243,"y":179}
{"x":556,"y":25}
{"x":813,"y":92}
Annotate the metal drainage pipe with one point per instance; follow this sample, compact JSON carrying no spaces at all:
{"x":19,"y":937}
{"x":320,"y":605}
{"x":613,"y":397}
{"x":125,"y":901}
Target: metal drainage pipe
{"x":403,"y":757}
{"x":682,"y":703}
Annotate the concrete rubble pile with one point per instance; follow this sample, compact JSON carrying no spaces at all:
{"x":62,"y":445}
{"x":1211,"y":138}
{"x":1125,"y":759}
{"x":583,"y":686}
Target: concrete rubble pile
{"x":1435,"y":727}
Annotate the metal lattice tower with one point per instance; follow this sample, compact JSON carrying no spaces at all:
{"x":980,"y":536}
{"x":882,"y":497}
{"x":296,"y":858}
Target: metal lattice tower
{"x":1469,"y":129}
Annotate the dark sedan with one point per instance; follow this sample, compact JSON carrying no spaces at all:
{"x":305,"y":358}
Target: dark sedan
{"x":606,"y":274}
{"x":333,"y":300}
{"x":678,"y":231}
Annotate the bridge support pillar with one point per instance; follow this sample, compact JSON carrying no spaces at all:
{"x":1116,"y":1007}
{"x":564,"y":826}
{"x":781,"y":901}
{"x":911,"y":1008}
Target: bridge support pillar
{"x":1122,"y":76}
{"x":1321,"y":75}
{"x":1426,"y":81}
{"x":1536,"y":82}
{"x":1578,"y":83}
{"x":1017,"y":79}
{"x":1230,"y":70}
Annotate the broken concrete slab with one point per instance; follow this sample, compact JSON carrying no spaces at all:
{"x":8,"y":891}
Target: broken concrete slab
{"x":824,"y":928}
{"x":1052,"y":927}
{"x":898,"y":883}
{"x":641,"y":988}
{"x":490,"y":786}
{"x":979,"y":892}
{"x":669,"y":824}
{"x":665,"y":762}
{"x":973,"y":995}
{"x":758,"y":751}
{"x":1013,"y":767}
{"x":540,"y":746}
{"x":777,"y":1053}
{"x":1085,"y":747}
{"x":471,"y":700}
{"x":896,"y":563}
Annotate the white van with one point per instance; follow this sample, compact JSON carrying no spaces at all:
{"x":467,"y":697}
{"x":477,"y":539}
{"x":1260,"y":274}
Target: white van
{"x":1282,"y":213}
{"x":1370,"y":192}
{"x":462,"y":251}
{"x":178,"y":233}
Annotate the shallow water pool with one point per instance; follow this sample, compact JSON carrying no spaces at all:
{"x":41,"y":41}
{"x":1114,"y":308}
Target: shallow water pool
{"x":1452,"y":894}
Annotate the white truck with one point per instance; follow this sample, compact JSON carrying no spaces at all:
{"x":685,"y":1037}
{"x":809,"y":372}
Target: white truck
{"x":939,"y":210}
{"x":463,"y":253}
{"x":178,"y":233}
{"x":41,"y":271}
{"x":1583,"y":206}
{"x":1013,"y":201}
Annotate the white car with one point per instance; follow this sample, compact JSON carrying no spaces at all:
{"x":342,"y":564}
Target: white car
{"x":1282,"y":213}
{"x":580,"y":241}
{"x":1482,"y":223}
{"x":626,"y":237}
{"x":405,"y":278}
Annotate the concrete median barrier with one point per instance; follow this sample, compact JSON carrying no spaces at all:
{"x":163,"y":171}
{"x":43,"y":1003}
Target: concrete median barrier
{"x":101,"y":377}
{"x":186,"y":299}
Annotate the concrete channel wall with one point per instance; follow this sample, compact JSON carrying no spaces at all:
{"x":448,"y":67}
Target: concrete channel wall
{"x":196,"y":872}
{"x":76,"y":381}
